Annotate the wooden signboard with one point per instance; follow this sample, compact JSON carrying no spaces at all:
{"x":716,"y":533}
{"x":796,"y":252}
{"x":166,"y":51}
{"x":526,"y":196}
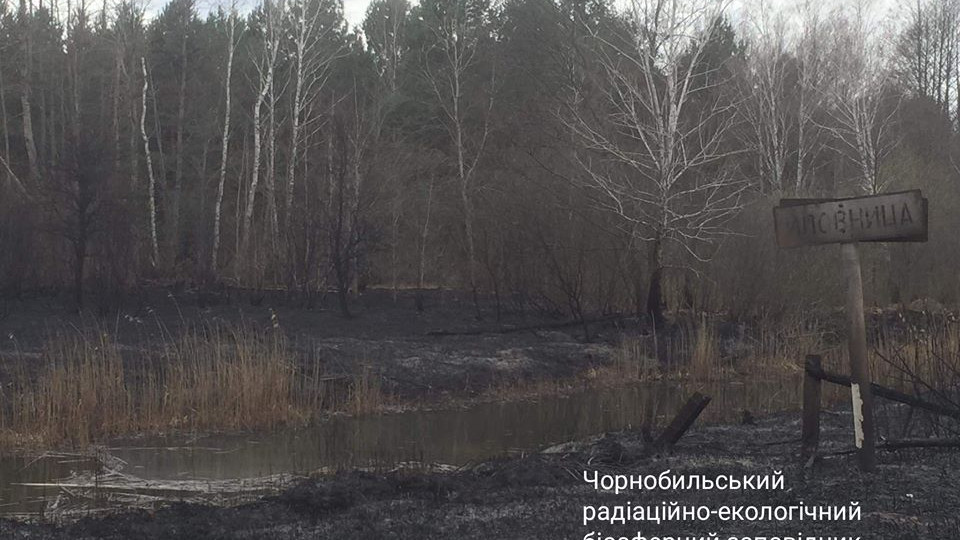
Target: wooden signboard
{"x":890,"y":217}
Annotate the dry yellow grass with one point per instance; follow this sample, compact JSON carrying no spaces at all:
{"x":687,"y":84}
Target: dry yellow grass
{"x":366,"y":396}
{"x":922,"y":357}
{"x":216,"y":378}
{"x":211,"y":379}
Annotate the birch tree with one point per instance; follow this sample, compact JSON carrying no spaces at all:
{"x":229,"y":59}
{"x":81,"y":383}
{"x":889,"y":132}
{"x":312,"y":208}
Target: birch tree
{"x":862,"y":107}
{"x":232,"y":39}
{"x":457,"y":29}
{"x":765,"y":100}
{"x":385,"y":31}
{"x":657,"y":131}
{"x":152,"y":182}
{"x":265,"y":63}
{"x":25,"y":23}
{"x":809,"y":54}
{"x":315,"y":46}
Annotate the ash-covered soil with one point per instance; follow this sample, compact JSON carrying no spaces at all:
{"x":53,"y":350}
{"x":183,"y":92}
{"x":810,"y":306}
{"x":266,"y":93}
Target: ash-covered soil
{"x":444,"y":349}
{"x":448,"y":348}
{"x":913,"y":494}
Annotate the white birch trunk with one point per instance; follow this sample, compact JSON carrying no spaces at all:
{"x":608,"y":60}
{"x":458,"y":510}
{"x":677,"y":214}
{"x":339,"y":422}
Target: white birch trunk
{"x":271,"y":173}
{"x":254,"y":176}
{"x":265,"y":68}
{"x":225,"y":147}
{"x":155,"y":261}
{"x":28,"y":138}
{"x":294,"y":145}
{"x":311,"y":63}
{"x":295,"y":120}
{"x":25,"y":101}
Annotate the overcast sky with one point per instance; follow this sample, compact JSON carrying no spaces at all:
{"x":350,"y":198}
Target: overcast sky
{"x":354,"y":10}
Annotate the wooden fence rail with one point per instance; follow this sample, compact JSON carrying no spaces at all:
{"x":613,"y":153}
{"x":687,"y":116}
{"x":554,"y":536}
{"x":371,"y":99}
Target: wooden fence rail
{"x":814,"y":374}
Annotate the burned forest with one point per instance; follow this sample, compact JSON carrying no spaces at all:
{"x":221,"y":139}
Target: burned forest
{"x":599,"y":269}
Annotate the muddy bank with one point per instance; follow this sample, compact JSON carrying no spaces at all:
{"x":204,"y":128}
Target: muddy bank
{"x":913,"y":494}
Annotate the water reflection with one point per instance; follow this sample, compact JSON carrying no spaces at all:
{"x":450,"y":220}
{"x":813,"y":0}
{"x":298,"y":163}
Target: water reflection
{"x":453,"y":437}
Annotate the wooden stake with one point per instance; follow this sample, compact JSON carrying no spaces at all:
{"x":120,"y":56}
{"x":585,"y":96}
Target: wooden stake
{"x":860,"y":389}
{"x":810,"y":432}
{"x":682,"y":422}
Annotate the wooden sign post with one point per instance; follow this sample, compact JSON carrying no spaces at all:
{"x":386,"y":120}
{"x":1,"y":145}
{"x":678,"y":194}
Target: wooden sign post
{"x":892,"y":217}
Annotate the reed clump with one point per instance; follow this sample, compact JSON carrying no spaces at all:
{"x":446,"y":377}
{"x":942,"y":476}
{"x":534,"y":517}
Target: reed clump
{"x":81,"y":392}
{"x":366,"y":396}
{"x":700,"y":350}
{"x":213,"y":378}
{"x":916,"y":354}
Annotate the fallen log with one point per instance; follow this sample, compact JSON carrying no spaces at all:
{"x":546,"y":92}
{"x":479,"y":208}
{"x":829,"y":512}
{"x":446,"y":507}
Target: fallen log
{"x":887,"y":393}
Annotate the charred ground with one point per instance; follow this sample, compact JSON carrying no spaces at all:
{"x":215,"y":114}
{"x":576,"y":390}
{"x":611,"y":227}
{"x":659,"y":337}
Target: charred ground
{"x":445,"y":351}
{"x":423,"y":354}
{"x":913,"y":494}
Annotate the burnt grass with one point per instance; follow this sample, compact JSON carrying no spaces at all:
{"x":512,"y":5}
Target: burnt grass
{"x":913,"y":494}
{"x":447,"y":351}
{"x":450,"y":348}
{"x":421,"y":356}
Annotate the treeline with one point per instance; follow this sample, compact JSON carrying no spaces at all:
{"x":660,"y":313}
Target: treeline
{"x":559,"y":155}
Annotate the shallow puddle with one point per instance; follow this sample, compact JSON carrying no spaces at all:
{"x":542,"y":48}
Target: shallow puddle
{"x":452,"y":437}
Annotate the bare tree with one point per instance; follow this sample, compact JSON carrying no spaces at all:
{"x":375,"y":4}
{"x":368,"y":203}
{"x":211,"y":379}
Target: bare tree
{"x":457,"y":38}
{"x":314,"y":51}
{"x":74,"y":196}
{"x":810,"y":75}
{"x":232,"y":39}
{"x":152,"y":185}
{"x":26,"y":108}
{"x":265,"y":63}
{"x":765,"y":97}
{"x":862,"y":107}
{"x":385,"y":31}
{"x":654,"y":146}
{"x":781,"y":93}
{"x":927,"y":50}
